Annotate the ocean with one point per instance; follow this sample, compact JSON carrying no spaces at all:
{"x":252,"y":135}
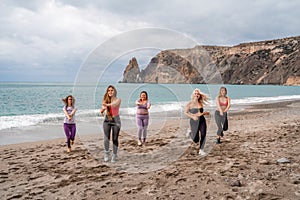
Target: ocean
{"x":33,"y":111}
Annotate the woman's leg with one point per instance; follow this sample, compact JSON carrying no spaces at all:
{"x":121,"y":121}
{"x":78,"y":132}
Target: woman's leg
{"x":218,"y":119}
{"x":106,"y":130}
{"x":194,"y":124}
{"x":139,"y":123}
{"x":115,"y":134}
{"x":145,"y":122}
{"x":67,"y":133}
{"x":73,"y":132}
{"x":203,"y":134}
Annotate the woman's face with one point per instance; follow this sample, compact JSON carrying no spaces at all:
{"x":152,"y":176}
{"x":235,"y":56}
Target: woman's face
{"x":143,"y":96}
{"x":196,"y":94}
{"x":70,"y":100}
{"x":223,"y":92}
{"x":111,"y":92}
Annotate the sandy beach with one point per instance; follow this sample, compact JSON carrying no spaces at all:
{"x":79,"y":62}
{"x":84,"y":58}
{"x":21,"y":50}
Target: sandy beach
{"x":258,"y":159}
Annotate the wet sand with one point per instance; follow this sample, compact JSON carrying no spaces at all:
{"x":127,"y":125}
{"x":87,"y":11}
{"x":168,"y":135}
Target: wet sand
{"x":258,"y":159}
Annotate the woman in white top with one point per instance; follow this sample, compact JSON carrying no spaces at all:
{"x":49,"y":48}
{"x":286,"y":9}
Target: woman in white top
{"x":69,"y":120}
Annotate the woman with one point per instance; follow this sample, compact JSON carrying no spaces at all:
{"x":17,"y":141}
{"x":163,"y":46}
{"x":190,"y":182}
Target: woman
{"x":112,"y":123}
{"x":69,"y":120}
{"x":142,"y":117}
{"x":194,"y":110}
{"x":223,"y":105}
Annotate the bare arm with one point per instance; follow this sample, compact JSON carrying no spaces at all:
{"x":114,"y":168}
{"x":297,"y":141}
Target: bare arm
{"x":148,"y":105}
{"x":67,"y":114}
{"x":137,"y":102}
{"x":228,"y":106}
{"x":73,"y":112}
{"x":218,"y":106}
{"x":116,"y":102}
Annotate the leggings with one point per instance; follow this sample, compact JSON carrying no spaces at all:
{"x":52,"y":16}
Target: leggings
{"x":70,"y":131}
{"x":222,"y":122}
{"x":142,"y":123}
{"x":196,"y":127}
{"x":113,"y":126}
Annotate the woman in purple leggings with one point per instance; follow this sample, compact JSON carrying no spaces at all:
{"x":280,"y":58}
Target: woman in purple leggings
{"x":142,"y":117}
{"x":69,"y":120}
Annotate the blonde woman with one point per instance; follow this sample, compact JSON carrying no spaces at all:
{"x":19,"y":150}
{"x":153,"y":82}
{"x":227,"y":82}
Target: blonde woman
{"x":69,"y":120}
{"x":112,"y":123}
{"x":195,"y":111}
{"x":223,"y":105}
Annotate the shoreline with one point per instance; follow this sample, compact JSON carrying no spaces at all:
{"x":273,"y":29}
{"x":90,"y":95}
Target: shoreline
{"x":97,"y":129}
{"x":244,"y":166}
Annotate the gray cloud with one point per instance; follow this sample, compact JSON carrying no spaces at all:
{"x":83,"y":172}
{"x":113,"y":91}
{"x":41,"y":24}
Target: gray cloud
{"x":49,"y":40}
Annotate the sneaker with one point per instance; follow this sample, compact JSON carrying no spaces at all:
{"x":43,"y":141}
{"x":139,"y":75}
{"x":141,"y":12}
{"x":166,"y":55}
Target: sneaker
{"x":72,"y":142}
{"x":139,"y":142}
{"x":218,"y":141}
{"x":114,"y":158}
{"x":202,"y":153}
{"x":106,"y":156}
{"x":69,"y":149}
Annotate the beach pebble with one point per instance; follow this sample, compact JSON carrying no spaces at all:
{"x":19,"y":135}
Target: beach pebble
{"x":283,"y":160}
{"x":236,"y":183}
{"x":264,"y":162}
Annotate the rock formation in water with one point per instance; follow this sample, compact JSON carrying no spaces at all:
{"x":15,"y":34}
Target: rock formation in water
{"x":132,"y":71}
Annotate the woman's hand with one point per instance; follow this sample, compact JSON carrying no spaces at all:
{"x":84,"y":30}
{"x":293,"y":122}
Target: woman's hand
{"x":195,"y":117}
{"x":206,"y":113}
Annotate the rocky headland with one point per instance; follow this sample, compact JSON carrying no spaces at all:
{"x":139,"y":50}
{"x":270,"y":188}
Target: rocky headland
{"x":264,"y":62}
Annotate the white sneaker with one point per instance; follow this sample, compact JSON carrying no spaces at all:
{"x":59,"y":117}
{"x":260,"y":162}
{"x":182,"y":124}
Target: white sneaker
{"x":106,"y":156}
{"x":139,"y":142}
{"x":202,"y":153}
{"x":114,"y":158}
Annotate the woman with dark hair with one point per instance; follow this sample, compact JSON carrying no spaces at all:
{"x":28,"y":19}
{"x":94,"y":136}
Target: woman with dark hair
{"x":69,"y":120}
{"x":112,"y":123}
{"x":223,"y":105}
{"x":194,"y":110}
{"x":142,"y":117}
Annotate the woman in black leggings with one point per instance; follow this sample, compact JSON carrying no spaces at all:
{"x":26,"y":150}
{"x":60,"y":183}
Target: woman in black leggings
{"x":112,"y":123}
{"x":194,"y":110}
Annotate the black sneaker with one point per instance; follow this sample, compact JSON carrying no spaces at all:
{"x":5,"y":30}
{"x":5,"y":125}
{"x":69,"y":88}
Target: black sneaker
{"x":218,"y":141}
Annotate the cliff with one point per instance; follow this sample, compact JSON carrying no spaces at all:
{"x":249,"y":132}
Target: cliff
{"x":265,"y":62}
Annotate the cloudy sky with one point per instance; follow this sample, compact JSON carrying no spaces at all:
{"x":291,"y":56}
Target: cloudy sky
{"x":51,"y":40}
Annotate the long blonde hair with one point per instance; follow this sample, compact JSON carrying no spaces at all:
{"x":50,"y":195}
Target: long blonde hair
{"x":203,"y":99}
{"x":107,"y":99}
